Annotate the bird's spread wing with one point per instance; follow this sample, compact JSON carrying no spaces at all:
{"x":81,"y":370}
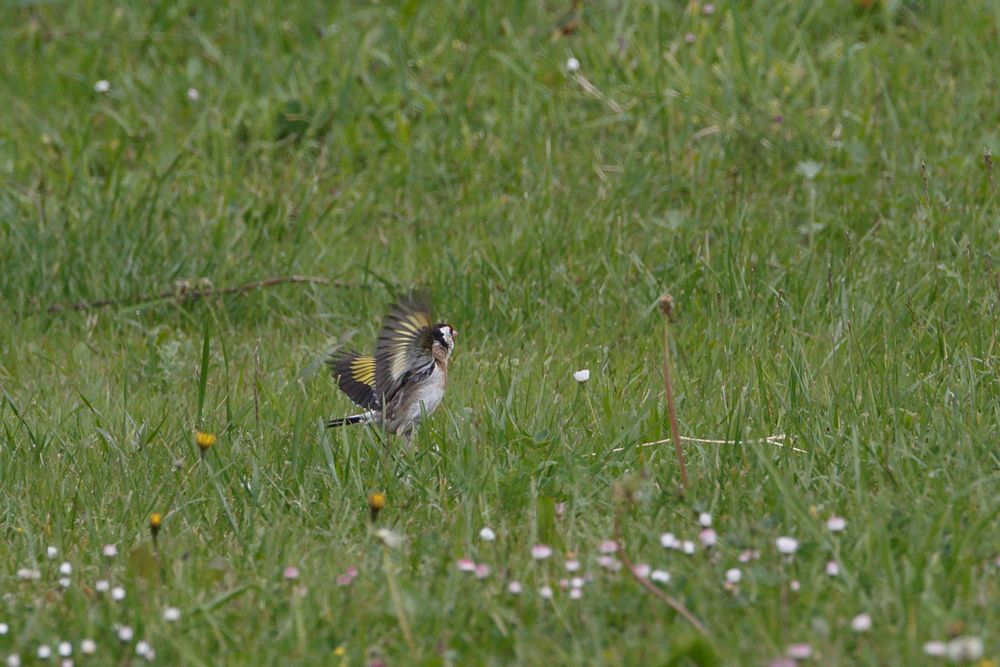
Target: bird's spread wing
{"x":404,"y":344}
{"x":355,"y":375}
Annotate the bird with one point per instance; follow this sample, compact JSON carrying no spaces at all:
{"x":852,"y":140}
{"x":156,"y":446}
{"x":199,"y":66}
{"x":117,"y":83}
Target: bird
{"x":406,"y":377}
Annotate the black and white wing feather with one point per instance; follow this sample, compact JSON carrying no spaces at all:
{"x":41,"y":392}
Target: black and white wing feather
{"x":404,"y":345}
{"x":355,"y":375}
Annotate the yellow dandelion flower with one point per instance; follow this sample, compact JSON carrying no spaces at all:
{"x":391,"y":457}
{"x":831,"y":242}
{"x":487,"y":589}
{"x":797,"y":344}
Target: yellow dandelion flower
{"x":376,"y":503}
{"x":204,"y":440}
{"x":155,"y":521}
{"x":340,"y":651}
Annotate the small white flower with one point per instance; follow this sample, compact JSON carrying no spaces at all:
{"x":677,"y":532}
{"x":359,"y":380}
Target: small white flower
{"x":102,"y":86}
{"x":545,"y":592}
{"x":487,"y":534}
{"x":609,"y":563}
{"x":102,"y":586}
{"x":833,"y":568}
{"x":125,"y":633}
{"x":795,"y":585}
{"x":66,"y":662}
{"x":117,"y":593}
{"x":688,"y":547}
{"x":835,"y":524}
{"x":65,"y":649}
{"x":44,"y":652}
{"x":514,"y":588}
{"x":65,"y":582}
{"x":142,"y":648}
{"x":641,"y":570}
{"x":110,"y":550}
{"x":573,"y":66}
{"x":748,"y":555}
{"x":29,"y":574}
{"x":572,"y":565}
{"x":733,"y":575}
{"x":708,"y":537}
{"x":51,"y":552}
{"x":662,"y":576}
{"x":482,"y":571}
{"x":800,"y":651}
{"x":608,"y":547}
{"x":171,"y":614}
{"x":65,"y":569}
{"x":575,"y":594}
{"x":965,"y":649}
{"x":193,"y":94}
{"x":705,"y":519}
{"x":861,"y":623}
{"x":13,"y":660}
{"x":708,"y":9}
{"x":577,"y":582}
{"x":935,"y":648}
{"x":88,"y":646}
{"x":541,"y":551}
{"x":466,"y":565}
{"x":669,"y":541}
{"x":4,"y":628}
{"x":787,"y":545}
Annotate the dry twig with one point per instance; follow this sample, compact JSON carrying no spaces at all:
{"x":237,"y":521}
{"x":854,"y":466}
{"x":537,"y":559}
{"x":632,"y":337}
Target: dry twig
{"x":667,"y":308}
{"x":184,"y":292}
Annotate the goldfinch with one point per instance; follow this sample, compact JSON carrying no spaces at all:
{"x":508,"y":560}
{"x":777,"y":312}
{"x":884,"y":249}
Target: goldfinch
{"x":406,"y":377}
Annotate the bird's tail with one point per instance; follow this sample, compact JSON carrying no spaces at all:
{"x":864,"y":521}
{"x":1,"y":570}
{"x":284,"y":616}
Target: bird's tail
{"x":363,"y":418}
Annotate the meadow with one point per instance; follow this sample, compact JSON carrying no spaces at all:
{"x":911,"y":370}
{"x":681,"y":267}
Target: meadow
{"x":812,"y":182}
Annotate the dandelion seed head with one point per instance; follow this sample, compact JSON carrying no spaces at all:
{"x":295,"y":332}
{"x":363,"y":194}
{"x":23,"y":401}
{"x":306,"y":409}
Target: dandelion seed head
{"x":964,"y":649}
{"x":836,"y":524}
{"x":861,"y":623}
{"x":787,"y":545}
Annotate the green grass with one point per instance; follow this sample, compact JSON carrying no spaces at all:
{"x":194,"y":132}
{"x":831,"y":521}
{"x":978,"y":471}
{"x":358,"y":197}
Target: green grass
{"x":386,"y":145}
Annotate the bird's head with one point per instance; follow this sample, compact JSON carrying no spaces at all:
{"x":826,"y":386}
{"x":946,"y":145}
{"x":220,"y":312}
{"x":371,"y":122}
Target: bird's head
{"x":443,"y":338}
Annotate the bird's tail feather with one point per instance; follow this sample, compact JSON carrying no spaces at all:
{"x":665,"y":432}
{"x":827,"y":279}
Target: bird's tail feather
{"x":362,"y":418}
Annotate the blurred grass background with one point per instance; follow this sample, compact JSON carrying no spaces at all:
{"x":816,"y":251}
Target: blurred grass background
{"x":809,"y":180}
